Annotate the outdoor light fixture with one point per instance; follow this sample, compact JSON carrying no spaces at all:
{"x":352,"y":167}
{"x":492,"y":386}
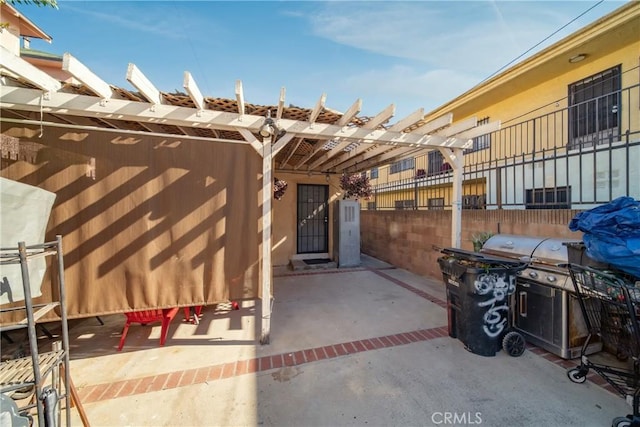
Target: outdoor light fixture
{"x":577,"y":58}
{"x":269,"y":128}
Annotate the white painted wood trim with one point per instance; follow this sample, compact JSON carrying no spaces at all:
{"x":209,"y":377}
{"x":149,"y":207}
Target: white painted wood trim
{"x":382,"y":117}
{"x":90,"y":106}
{"x":435,"y":124}
{"x":455,"y":157}
{"x":240,"y":98}
{"x":283,"y":92}
{"x":143,"y":84}
{"x":192,"y":89}
{"x":353,"y":111}
{"x":267,"y":197}
{"x":411,"y":119}
{"x":23,"y":69}
{"x":82,"y":73}
{"x":317,"y":109}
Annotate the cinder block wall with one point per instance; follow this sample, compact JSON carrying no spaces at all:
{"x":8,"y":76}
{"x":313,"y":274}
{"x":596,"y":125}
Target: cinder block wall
{"x":410,"y":239}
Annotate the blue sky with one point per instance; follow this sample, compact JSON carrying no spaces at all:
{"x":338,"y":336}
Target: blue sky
{"x":410,"y":53}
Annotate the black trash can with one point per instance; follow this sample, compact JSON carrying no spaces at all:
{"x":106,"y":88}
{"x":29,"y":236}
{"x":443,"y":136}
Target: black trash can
{"x":479,"y":289}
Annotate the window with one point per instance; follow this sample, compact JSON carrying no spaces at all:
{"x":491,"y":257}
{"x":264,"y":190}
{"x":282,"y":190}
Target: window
{"x":436,"y":204}
{"x":371,"y":206}
{"x":594,"y":105}
{"x":483,"y":141}
{"x":404,"y":205}
{"x":436,"y":164}
{"x":374,"y":173}
{"x":403,"y":165}
{"x":548,"y":198}
{"x":473,"y":201}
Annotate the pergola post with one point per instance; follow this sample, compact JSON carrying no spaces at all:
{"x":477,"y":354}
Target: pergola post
{"x":455,"y":157}
{"x":267,"y":197}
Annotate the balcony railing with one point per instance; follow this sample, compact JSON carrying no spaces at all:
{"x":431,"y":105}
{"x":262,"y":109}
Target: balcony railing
{"x":560,"y":159}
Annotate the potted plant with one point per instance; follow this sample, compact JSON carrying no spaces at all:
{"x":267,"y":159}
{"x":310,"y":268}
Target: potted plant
{"x":356,"y":186}
{"x":279,"y":188}
{"x":479,"y":239}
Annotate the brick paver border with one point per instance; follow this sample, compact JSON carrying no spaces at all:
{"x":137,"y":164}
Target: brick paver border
{"x":166,"y":381}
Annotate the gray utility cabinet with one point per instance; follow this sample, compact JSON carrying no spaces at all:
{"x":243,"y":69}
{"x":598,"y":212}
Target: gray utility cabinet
{"x":346,"y":233}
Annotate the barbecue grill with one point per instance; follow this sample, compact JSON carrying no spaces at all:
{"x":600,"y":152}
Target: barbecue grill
{"x":547,"y":312}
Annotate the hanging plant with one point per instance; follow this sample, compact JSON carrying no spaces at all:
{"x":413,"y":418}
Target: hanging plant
{"x":356,"y":186}
{"x":279,"y":188}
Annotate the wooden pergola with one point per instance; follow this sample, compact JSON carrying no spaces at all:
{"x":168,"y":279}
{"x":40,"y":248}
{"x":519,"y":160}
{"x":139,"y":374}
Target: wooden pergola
{"x":315,"y":140}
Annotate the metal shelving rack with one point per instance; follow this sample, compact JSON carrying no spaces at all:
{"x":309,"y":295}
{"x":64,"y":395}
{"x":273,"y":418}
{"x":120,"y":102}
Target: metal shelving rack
{"x":35,"y":369}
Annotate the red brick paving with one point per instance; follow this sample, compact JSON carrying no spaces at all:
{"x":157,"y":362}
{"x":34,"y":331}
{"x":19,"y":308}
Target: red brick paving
{"x":310,"y":355}
{"x":340,"y":350}
{"x":331,"y":353}
{"x":320,"y":353}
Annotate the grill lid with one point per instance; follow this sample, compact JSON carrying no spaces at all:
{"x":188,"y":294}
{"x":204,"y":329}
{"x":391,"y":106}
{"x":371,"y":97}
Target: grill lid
{"x":545,"y":250}
{"x":512,"y":246}
{"x":552,"y":251}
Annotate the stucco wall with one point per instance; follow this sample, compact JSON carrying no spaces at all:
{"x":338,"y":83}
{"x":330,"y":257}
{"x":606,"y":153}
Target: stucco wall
{"x":285,"y":227}
{"x":407,"y":239}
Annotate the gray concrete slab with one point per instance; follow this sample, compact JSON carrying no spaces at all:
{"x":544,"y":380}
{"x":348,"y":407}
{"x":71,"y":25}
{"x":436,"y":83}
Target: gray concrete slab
{"x":204,"y":377}
{"x":423,"y":383}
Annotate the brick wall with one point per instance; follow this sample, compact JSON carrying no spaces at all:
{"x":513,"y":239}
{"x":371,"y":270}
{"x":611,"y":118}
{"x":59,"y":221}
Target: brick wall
{"x":407,"y":239}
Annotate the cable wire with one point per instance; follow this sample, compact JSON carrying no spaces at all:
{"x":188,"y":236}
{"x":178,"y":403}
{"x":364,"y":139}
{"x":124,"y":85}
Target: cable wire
{"x":541,"y":41}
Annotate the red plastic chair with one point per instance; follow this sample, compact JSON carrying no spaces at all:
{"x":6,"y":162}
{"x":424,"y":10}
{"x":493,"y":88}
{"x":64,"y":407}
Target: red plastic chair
{"x":197,"y":312}
{"x":145,"y":317}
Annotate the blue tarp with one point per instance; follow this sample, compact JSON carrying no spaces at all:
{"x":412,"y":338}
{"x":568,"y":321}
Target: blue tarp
{"x":612,"y":233}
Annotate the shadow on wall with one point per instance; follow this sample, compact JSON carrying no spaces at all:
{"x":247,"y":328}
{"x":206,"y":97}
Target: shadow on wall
{"x":147,"y":222}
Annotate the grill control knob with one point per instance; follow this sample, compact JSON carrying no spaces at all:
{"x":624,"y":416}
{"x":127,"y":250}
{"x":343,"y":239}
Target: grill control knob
{"x":551,"y":279}
{"x":533,"y":274}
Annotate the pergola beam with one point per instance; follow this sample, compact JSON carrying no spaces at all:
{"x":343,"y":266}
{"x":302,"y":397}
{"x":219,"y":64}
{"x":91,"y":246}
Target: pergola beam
{"x":411,"y":119}
{"x":459,"y":127}
{"x":193,"y":91}
{"x":381,"y":118}
{"x":22,"y":69}
{"x":435,"y":124}
{"x":240,"y":98}
{"x":281,"y":143}
{"x":376,"y":121}
{"x":291,"y":152}
{"x":353,"y":111}
{"x":251,"y":139}
{"x":280,"y":110}
{"x":89,"y":106}
{"x":366,"y":155}
{"x":339,"y":148}
{"x":85,"y":76}
{"x":388,"y":157}
{"x":313,"y":115}
{"x":143,"y":84}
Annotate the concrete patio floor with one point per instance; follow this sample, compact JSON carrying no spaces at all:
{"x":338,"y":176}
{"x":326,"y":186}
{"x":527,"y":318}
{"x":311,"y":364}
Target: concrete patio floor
{"x":363,"y":346}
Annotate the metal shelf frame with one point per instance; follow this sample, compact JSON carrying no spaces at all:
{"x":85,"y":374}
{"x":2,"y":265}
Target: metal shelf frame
{"x":35,"y":369}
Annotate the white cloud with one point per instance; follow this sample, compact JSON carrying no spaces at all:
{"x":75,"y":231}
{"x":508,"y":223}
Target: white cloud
{"x":409,"y":88}
{"x":437,"y":50}
{"x":477,"y":36}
